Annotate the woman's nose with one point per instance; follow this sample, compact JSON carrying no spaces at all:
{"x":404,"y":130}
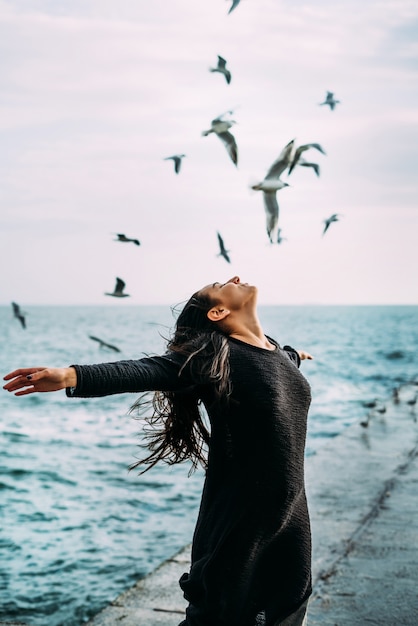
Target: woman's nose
{"x":234,"y":279}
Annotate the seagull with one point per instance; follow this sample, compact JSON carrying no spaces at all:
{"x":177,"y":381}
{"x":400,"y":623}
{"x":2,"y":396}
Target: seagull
{"x":270,"y":185}
{"x":177,"y":160}
{"x":19,"y":314}
{"x":330,"y":100}
{"x":412,"y":402}
{"x":223,"y":251}
{"x":124,"y":239}
{"x":298,"y":153}
{"x":333,"y":218}
{"x":370,"y":404}
{"x":395,"y":395}
{"x":104,"y":344}
{"x":118,"y":291}
{"x":366,"y":421}
{"x":235,"y":3}
{"x":221,"y":68}
{"x":221,"y":127}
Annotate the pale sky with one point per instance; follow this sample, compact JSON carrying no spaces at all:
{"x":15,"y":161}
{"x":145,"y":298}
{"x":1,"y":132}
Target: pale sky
{"x":95,"y":93}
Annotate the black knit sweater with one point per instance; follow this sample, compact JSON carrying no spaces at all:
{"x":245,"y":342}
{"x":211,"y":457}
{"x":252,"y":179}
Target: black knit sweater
{"x":251,"y":554}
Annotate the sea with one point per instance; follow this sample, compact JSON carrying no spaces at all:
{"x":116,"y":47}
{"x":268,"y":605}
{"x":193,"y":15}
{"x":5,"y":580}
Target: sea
{"x":77,"y":528}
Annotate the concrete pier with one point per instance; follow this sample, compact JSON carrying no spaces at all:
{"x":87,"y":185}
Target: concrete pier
{"x":363,"y":498}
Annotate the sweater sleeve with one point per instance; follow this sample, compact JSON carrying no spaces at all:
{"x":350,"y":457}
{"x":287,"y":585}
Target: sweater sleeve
{"x":146,"y":374}
{"x":292,"y":354}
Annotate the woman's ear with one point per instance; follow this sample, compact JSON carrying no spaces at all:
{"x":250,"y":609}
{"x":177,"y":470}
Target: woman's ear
{"x":216,"y":314}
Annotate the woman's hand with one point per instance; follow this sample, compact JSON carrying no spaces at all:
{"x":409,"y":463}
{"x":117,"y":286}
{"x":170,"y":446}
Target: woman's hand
{"x":304,"y":355}
{"x":40,"y":379}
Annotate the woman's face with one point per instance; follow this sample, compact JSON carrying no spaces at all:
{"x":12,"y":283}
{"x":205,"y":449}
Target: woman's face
{"x":233,"y":294}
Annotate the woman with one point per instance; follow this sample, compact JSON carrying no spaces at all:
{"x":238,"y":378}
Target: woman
{"x":251,"y":553}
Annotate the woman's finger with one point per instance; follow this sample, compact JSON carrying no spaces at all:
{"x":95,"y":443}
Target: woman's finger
{"x":25,"y":392}
{"x":17,"y":383}
{"x":22,"y":378}
{"x":25,"y":371}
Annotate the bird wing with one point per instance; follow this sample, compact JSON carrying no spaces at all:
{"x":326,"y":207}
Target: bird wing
{"x":230,"y":144}
{"x":314,"y":145}
{"x":16,"y":308}
{"x":279,"y":236}
{"x":314,"y":166}
{"x":235,"y":3}
{"x":272,"y":212}
{"x":282,"y":162}
{"x":95,"y":339}
{"x":296,"y":158}
{"x":221,"y":116}
{"x":221,"y":62}
{"x":104,"y":343}
{"x":120,"y":285}
{"x":111,"y":347}
{"x":327,"y":224}
{"x":177,"y":164}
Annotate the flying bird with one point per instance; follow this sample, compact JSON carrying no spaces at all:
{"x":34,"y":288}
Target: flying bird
{"x":330,"y":101}
{"x":223,"y":251}
{"x":298,"y":153}
{"x":124,"y":239}
{"x":221,"y":127}
{"x":221,"y":68}
{"x":177,"y":160}
{"x":104,"y":344}
{"x":370,"y":404}
{"x":235,"y":3}
{"x":118,"y":291}
{"x":333,"y":218}
{"x":270,"y":185}
{"x":18,"y":313}
{"x":366,"y":421}
{"x":412,"y":402}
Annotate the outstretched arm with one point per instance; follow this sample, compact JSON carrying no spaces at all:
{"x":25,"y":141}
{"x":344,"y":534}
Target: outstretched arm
{"x":40,"y":379}
{"x":103,"y":379}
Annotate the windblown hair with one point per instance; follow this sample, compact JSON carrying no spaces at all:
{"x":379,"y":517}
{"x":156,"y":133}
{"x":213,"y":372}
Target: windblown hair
{"x":176,"y":430}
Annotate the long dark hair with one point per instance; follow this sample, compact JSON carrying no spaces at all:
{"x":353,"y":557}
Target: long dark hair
{"x":176,"y":431}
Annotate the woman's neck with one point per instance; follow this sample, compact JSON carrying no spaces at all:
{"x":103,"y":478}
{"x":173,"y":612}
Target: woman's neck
{"x":251,"y":332}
